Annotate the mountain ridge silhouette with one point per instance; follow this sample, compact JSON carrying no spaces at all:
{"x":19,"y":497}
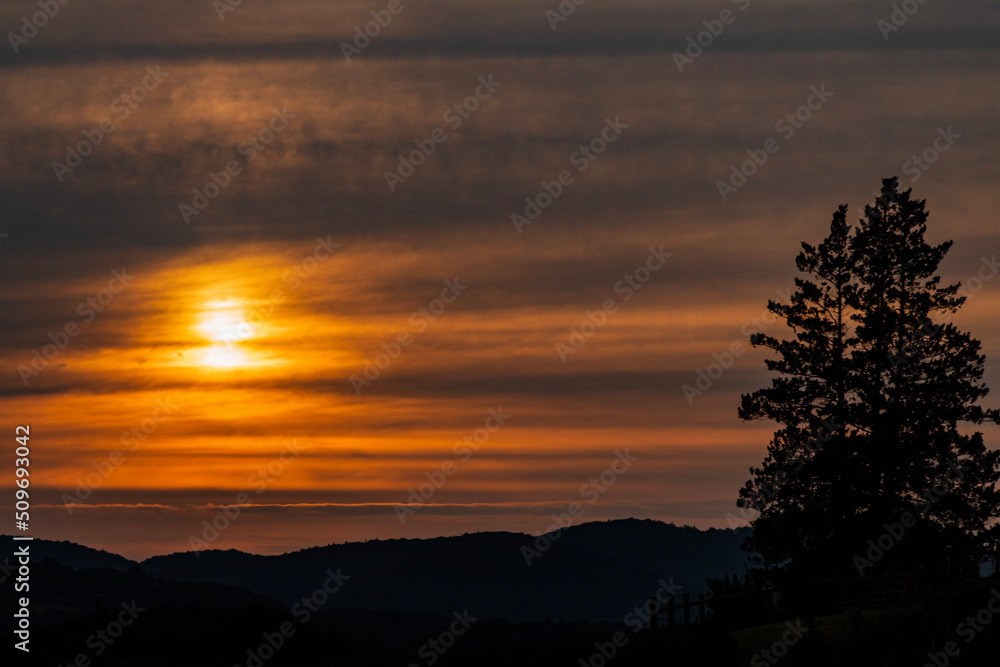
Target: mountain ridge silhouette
{"x":595,"y":571}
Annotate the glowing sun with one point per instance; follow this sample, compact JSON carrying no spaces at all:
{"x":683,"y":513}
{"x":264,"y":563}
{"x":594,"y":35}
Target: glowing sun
{"x":224,"y":323}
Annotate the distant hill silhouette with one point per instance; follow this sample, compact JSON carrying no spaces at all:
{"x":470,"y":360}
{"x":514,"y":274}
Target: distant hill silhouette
{"x":595,"y":571}
{"x":683,"y":552}
{"x":77,"y":556}
{"x":400,"y":593}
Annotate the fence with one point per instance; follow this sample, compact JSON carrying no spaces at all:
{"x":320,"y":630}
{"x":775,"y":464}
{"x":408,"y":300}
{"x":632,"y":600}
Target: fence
{"x":877,"y":589}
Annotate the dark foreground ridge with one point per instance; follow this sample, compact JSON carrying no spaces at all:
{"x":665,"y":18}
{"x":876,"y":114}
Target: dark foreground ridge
{"x":472,"y":600}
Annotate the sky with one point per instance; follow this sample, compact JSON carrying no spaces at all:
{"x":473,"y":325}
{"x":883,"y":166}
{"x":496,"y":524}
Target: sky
{"x":518,"y":231}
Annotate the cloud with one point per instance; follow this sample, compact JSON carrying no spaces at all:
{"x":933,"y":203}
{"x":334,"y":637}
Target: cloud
{"x":324,"y":176}
{"x":302,"y":30}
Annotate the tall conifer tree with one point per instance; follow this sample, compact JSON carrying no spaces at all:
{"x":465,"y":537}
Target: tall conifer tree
{"x":870,"y":391}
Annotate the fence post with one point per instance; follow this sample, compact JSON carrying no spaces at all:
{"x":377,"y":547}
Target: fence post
{"x":670,"y":612}
{"x":701,"y":607}
{"x":687,"y":609}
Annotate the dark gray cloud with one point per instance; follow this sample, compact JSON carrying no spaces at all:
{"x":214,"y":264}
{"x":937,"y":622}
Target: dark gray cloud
{"x":190,"y":31}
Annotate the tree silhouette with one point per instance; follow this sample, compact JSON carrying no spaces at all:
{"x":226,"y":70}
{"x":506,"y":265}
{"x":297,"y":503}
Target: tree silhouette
{"x":869,"y":396}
